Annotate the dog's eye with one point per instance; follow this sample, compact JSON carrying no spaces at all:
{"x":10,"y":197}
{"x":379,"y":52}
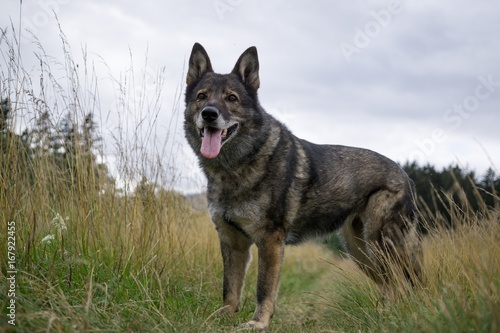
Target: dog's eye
{"x":232,"y":98}
{"x":201,"y":96}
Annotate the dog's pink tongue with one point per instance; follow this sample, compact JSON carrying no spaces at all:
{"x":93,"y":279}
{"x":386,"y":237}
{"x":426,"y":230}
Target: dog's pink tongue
{"x":211,"y":142}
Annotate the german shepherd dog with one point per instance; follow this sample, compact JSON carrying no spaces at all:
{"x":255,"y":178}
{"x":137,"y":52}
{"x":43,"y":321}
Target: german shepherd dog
{"x":268,"y":187}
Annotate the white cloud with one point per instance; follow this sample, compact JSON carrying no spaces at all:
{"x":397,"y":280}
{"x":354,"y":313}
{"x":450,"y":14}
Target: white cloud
{"x":393,"y":93}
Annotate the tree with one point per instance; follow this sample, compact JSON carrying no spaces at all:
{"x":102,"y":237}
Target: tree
{"x":75,"y":147}
{"x":491,"y":185}
{"x":40,"y":138}
{"x":15,"y":172}
{"x":5,"y":113}
{"x":70,"y":145}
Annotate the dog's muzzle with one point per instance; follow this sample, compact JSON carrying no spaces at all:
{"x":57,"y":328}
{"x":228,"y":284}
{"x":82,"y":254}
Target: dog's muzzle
{"x":214,"y":131}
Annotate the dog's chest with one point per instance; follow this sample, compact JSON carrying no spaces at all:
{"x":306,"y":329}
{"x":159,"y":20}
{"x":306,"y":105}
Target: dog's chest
{"x":246,"y":213}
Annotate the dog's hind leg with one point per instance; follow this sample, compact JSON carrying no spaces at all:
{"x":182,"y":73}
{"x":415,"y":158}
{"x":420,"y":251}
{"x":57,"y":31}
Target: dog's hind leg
{"x":402,"y":248}
{"x":390,"y":230}
{"x":356,"y":246}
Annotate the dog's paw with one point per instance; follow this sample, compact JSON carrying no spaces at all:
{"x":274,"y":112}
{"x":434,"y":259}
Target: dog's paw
{"x":228,"y":310}
{"x":255,"y":326}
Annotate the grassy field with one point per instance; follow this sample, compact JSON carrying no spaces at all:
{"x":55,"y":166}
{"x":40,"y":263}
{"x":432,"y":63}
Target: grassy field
{"x":119,"y":264}
{"x":90,"y":259}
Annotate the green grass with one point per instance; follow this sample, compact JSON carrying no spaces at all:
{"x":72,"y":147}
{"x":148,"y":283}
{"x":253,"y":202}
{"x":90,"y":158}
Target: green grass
{"x":145,"y":261}
{"x":101,"y":291}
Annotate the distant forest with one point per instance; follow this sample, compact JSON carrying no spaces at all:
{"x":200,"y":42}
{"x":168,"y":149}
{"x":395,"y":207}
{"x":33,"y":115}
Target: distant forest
{"x":452,"y":191}
{"x":442,"y":193}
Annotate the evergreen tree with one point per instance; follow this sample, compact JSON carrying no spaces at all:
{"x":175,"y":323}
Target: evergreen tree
{"x":71,"y":146}
{"x":5,"y":113}
{"x":14,"y":153}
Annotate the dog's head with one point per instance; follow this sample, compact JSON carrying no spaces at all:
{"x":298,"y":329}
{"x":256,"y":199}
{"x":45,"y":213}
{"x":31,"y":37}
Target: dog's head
{"x":216,"y":104}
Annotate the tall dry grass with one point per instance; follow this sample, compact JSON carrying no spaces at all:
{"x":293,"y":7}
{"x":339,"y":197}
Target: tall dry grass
{"x":125,"y":259}
{"x":461,"y":289}
{"x":88,"y":249}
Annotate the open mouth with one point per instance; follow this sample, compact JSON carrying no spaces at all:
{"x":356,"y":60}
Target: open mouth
{"x":213,"y":138}
{"x":224,"y":134}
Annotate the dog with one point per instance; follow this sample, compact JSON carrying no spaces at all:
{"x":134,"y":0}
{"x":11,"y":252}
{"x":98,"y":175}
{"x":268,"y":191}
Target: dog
{"x":267,"y":187}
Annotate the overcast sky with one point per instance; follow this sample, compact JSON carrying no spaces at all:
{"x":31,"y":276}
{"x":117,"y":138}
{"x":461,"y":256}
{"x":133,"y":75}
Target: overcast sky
{"x":416,"y":80}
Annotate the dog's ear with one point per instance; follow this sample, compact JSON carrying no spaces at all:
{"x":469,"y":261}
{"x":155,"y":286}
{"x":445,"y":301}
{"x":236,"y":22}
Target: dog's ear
{"x":247,"y":68}
{"x":199,"y":64}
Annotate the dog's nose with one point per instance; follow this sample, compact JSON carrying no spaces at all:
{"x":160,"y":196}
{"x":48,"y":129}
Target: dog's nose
{"x":210,"y":113}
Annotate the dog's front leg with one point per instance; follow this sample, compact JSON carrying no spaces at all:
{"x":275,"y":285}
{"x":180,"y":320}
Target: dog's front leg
{"x":271,"y":250}
{"x":235,"y":248}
